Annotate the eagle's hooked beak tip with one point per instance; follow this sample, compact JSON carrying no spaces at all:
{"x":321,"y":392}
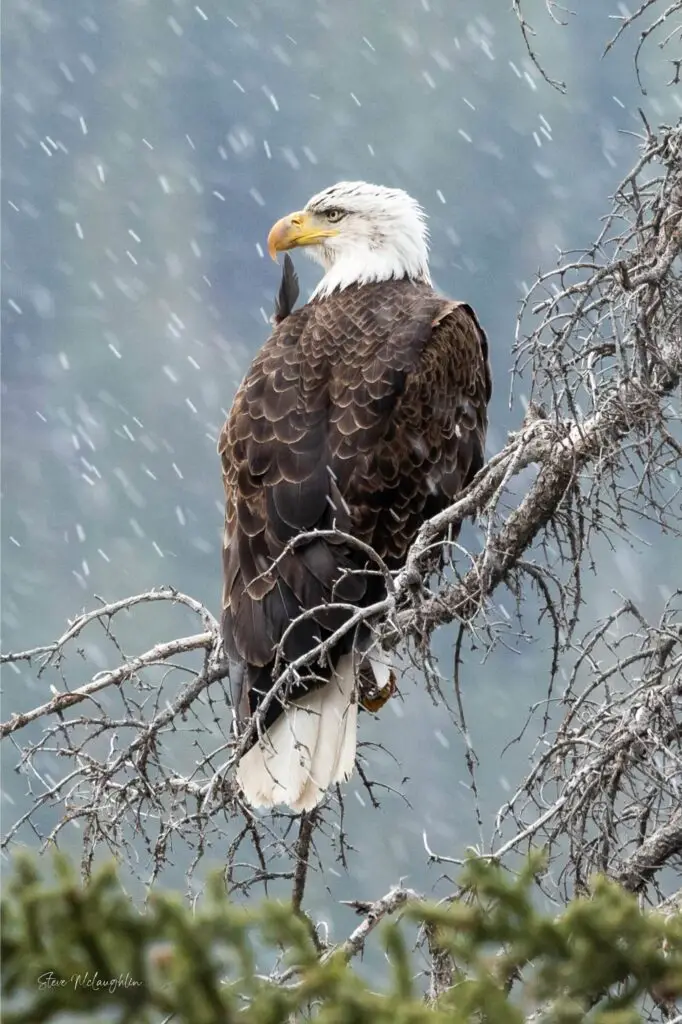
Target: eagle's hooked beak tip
{"x":286,"y":234}
{"x":272,"y":249}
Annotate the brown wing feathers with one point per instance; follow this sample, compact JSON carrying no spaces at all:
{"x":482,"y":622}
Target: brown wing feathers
{"x":365,"y":411}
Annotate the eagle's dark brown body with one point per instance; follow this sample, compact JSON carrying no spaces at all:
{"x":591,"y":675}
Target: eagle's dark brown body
{"x":364,"y":411}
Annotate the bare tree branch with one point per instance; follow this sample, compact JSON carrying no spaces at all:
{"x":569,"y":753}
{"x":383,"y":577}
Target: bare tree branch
{"x":655,"y":851}
{"x":155,"y":656}
{"x":527,"y":32}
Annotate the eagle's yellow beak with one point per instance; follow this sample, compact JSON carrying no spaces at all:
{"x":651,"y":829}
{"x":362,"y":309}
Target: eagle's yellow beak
{"x":300,"y":228}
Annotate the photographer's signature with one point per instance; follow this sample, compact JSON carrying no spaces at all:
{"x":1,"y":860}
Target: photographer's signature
{"x":87,"y":980}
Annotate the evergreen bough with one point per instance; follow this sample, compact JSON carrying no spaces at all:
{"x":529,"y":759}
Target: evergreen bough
{"x":88,"y":951}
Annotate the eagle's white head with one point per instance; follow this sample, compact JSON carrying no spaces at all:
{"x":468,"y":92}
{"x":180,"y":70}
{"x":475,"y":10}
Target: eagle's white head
{"x":359,"y":233}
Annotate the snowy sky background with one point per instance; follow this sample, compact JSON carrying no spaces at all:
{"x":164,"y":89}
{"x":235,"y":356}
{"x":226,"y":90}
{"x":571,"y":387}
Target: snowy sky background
{"x":148,"y":147}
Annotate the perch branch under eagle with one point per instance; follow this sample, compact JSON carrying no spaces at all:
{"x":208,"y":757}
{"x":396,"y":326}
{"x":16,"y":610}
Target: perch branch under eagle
{"x":365,"y":412}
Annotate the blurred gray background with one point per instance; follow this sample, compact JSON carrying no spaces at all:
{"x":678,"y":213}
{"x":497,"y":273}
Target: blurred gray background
{"x":147,"y":148}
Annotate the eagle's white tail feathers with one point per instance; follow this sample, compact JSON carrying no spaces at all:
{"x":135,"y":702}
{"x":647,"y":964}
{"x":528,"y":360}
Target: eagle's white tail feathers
{"x":382,"y":667}
{"x":277,"y":764}
{"x":308,"y":749}
{"x":334,"y":756}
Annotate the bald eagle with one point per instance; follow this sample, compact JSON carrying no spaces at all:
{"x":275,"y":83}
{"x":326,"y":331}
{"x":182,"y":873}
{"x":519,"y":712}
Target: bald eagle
{"x":364,"y":413}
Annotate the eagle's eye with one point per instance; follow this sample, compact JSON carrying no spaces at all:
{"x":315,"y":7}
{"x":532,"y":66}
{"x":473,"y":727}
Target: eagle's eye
{"x":334,"y":215}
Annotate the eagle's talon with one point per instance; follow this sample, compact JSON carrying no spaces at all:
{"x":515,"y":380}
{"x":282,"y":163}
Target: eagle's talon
{"x":374,"y":699}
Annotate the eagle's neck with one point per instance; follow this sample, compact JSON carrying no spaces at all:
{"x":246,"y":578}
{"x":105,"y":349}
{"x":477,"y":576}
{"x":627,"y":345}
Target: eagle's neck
{"x":365,"y":266}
